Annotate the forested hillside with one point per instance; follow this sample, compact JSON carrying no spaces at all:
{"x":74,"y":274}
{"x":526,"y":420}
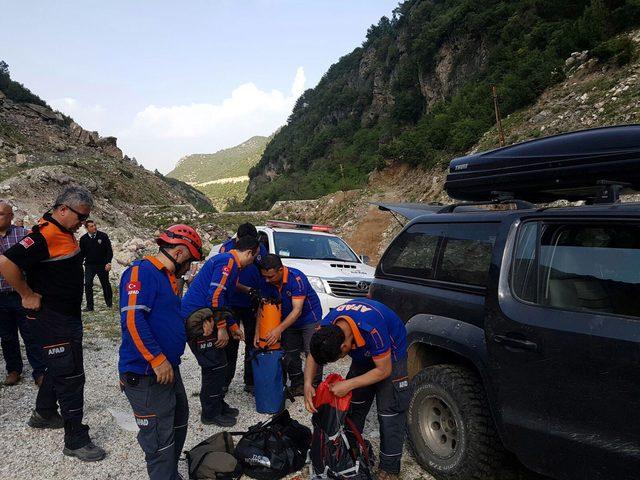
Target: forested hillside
{"x":228,"y":163}
{"x":418,"y":90}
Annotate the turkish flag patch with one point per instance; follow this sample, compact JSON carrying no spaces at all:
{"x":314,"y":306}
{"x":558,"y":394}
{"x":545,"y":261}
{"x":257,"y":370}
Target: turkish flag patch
{"x":226,"y":271}
{"x":134,"y":287}
{"x":26,"y":242}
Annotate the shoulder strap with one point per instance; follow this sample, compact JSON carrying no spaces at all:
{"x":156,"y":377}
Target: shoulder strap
{"x":359,"y":439}
{"x":195,"y":469}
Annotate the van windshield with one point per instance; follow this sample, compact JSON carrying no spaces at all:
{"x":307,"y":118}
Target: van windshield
{"x":309,"y":246}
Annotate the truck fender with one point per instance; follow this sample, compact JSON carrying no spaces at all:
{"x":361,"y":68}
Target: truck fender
{"x":460,"y":338}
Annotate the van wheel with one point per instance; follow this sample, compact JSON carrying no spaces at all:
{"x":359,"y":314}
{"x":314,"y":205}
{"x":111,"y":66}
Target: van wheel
{"x":450,"y":428}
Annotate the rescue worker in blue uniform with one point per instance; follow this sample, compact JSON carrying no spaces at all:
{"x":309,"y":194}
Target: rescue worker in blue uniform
{"x":153,"y":340}
{"x":243,"y":306}
{"x":376,"y":339}
{"x":301,"y":314}
{"x":212,"y":287}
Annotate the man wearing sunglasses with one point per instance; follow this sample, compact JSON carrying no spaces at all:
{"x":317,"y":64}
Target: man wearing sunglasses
{"x":45,"y":268}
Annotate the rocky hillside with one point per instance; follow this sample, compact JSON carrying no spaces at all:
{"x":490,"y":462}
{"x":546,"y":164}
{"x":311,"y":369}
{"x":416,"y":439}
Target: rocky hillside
{"x":419,"y":89}
{"x":593,"y":94}
{"x":223,"y":175}
{"x":42,"y":152}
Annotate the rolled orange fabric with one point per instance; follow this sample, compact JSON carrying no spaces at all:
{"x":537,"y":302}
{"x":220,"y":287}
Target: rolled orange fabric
{"x":269,"y":317}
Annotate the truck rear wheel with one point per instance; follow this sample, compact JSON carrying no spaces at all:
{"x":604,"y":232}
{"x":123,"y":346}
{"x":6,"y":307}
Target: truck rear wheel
{"x":450,"y":428}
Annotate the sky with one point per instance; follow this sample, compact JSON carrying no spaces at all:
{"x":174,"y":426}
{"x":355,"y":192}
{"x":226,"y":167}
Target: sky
{"x":173,"y":78}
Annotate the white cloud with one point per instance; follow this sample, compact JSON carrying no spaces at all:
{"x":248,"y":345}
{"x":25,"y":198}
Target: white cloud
{"x":160,"y":135}
{"x":90,"y":117}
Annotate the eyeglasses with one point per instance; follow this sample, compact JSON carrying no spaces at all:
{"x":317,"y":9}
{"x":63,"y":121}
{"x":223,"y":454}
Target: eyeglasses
{"x":81,"y":216}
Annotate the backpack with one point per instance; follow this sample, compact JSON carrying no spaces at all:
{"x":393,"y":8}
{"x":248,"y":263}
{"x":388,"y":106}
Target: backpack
{"x":213,"y":459}
{"x":338,"y":450}
{"x":273,"y":449}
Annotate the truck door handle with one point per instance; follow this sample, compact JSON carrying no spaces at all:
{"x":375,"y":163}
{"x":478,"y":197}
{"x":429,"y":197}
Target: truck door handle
{"x":516,"y":343}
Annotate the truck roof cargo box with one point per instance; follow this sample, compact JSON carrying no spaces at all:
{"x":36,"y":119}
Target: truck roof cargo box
{"x":571,"y":166}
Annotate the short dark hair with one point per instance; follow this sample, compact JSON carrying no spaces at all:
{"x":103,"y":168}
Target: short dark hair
{"x":88,"y":221}
{"x":326,"y":344}
{"x":74,"y":197}
{"x":247,"y":243}
{"x":270,"y":261}
{"x":247,"y":230}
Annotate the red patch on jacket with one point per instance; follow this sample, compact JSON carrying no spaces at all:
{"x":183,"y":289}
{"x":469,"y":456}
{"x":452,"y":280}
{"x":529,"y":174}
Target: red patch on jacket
{"x":26,"y":242}
{"x":133,"y":288}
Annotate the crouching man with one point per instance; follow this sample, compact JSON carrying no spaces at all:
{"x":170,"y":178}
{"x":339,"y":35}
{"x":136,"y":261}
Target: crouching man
{"x":153,"y":340}
{"x":212,"y":288}
{"x":376,"y":339}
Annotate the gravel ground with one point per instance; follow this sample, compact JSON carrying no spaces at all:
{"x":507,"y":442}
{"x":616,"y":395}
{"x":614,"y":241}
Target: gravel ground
{"x":37,"y":454}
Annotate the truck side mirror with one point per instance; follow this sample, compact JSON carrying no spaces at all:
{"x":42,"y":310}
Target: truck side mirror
{"x":365,"y":258}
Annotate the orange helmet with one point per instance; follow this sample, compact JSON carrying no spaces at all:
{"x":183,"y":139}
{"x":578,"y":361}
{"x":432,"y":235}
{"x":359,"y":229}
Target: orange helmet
{"x":183,"y":235}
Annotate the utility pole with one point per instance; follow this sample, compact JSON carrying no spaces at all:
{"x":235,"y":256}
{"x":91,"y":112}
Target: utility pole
{"x":498,"y":119}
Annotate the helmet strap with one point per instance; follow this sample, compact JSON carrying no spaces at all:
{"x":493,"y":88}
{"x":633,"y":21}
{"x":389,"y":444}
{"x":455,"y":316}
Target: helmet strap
{"x":176,"y":265}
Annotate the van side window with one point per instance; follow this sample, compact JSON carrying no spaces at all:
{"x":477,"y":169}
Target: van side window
{"x":590,"y":268}
{"x":466,"y":253}
{"x":413,"y":253}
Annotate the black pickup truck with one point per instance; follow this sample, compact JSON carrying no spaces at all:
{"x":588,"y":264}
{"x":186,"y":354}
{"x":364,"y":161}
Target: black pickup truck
{"x":523,"y":329}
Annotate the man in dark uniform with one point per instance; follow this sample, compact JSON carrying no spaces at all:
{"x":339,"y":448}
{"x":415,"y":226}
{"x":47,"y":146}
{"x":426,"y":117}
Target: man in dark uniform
{"x":376,"y":339}
{"x":243,"y":305}
{"x":97,"y":252}
{"x":52,"y":295}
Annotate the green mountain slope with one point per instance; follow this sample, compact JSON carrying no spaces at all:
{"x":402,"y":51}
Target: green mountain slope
{"x":418,"y":90}
{"x":230,"y":162}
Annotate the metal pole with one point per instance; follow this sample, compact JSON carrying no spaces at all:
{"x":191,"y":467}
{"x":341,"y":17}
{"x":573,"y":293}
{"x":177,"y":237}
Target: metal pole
{"x":498,"y":119}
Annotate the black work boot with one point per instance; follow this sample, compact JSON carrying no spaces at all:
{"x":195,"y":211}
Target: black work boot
{"x":221,"y":420}
{"x":229,"y":410}
{"x":88,"y":453}
{"x":55,"y":421}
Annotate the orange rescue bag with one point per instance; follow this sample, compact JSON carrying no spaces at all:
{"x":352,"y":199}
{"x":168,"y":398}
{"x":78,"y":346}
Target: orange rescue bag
{"x":269,"y":317}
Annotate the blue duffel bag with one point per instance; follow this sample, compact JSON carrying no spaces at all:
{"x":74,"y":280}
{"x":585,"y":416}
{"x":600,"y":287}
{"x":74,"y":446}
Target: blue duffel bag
{"x":268,"y":380}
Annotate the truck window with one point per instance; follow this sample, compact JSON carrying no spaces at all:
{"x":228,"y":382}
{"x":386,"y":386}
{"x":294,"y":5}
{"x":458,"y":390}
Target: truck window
{"x":592,"y":268}
{"x":525,"y":263}
{"x":466,"y":253}
{"x":413,"y":253}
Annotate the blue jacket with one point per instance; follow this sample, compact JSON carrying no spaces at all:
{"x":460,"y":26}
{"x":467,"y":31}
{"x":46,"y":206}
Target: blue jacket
{"x":377,"y":330}
{"x":150,"y":319}
{"x":213,"y":285}
{"x":295,"y":285}
{"x":249,"y":276}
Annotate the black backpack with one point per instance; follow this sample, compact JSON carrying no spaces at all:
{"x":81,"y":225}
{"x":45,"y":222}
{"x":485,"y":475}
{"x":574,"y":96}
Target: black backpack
{"x":347,"y":456}
{"x":338,"y":450}
{"x":273,"y":449}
